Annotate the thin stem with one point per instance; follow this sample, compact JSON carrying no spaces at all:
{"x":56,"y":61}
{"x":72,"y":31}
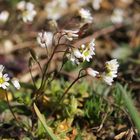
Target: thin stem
{"x":66,"y":91}
{"x":40,"y":67}
{"x":11,"y":108}
{"x":43,"y":82}
{"x":32,"y":77}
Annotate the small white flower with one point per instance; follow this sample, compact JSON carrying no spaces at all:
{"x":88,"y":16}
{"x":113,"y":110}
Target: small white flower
{"x":84,"y":53}
{"x":88,"y":51}
{"x":86,"y":15}
{"x":111,"y":71}
{"x":21,"y":5}
{"x":55,"y":8}
{"x":74,"y":56}
{"x":4,"y":16}
{"x":27,"y":9}
{"x":112,"y":65}
{"x":77,"y":53}
{"x":107,"y":79}
{"x":117,"y":16}
{"x":96,"y":4}
{"x":16,"y":83}
{"x":44,"y":39}
{"x":3,"y":78}
{"x":70,"y":34}
{"x":92,"y":72}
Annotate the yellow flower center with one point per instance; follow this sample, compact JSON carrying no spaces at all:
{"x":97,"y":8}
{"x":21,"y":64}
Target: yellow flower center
{"x":86,"y":53}
{"x":25,"y":13}
{"x":2,"y":80}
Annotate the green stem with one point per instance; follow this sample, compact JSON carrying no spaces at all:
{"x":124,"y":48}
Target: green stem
{"x":66,"y":91}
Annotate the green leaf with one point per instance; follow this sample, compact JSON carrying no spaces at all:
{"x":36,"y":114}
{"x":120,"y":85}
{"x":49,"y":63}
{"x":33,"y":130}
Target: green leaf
{"x":42,"y":120}
{"x":131,"y":108}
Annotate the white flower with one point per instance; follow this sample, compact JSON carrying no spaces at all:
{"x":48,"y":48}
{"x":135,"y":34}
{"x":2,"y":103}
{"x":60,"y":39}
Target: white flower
{"x":55,"y":8}
{"x":112,"y":65}
{"x":4,"y":16}
{"x":117,"y":16}
{"x":84,"y":53}
{"x":44,"y":39}
{"x":74,"y":56}
{"x":16,"y":83}
{"x":21,"y":5}
{"x":111,"y":71}
{"x":77,"y":53}
{"x":86,"y":15}
{"x":96,"y":4}
{"x":70,"y":34}
{"x":92,"y":72}
{"x":27,"y":9}
{"x":3,"y":78}
{"x":88,"y":51}
{"x":107,"y":79}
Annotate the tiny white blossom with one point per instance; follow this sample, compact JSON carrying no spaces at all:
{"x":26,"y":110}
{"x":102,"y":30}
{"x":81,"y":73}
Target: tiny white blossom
{"x":96,"y":4}
{"x":55,"y":8}
{"x":27,"y":9}
{"x":117,"y":16}
{"x":74,"y":56}
{"x":44,"y":39}
{"x":71,"y":34}
{"x":16,"y":83}
{"x":92,"y":72}
{"x":21,"y":5}
{"x":88,"y":51}
{"x":86,"y":15}
{"x":3,"y":78}
{"x":84,"y":53}
{"x":4,"y":16}
{"x":111,"y":71}
{"x":107,"y":79}
{"x":112,"y":65}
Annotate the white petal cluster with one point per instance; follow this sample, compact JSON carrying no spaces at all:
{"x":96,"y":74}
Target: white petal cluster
{"x":88,"y":50}
{"x":86,"y":15}
{"x":70,"y":34}
{"x":84,"y":53}
{"x":55,"y":8}
{"x":92,"y":72}
{"x":111,"y":71}
{"x":44,"y":39}
{"x":4,"y":16}
{"x":16,"y":83}
{"x":28,"y":11}
{"x":96,"y":4}
{"x":117,"y":16}
{"x":74,"y":56}
{"x":3,"y":78}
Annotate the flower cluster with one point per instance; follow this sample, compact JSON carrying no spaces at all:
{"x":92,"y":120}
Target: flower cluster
{"x":85,"y":15}
{"x":111,"y":71}
{"x":55,"y":8}
{"x":111,"y":68}
{"x":27,"y":9}
{"x":84,"y":53}
{"x":4,"y":80}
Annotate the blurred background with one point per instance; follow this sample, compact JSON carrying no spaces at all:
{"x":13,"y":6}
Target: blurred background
{"x":115,"y":26}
